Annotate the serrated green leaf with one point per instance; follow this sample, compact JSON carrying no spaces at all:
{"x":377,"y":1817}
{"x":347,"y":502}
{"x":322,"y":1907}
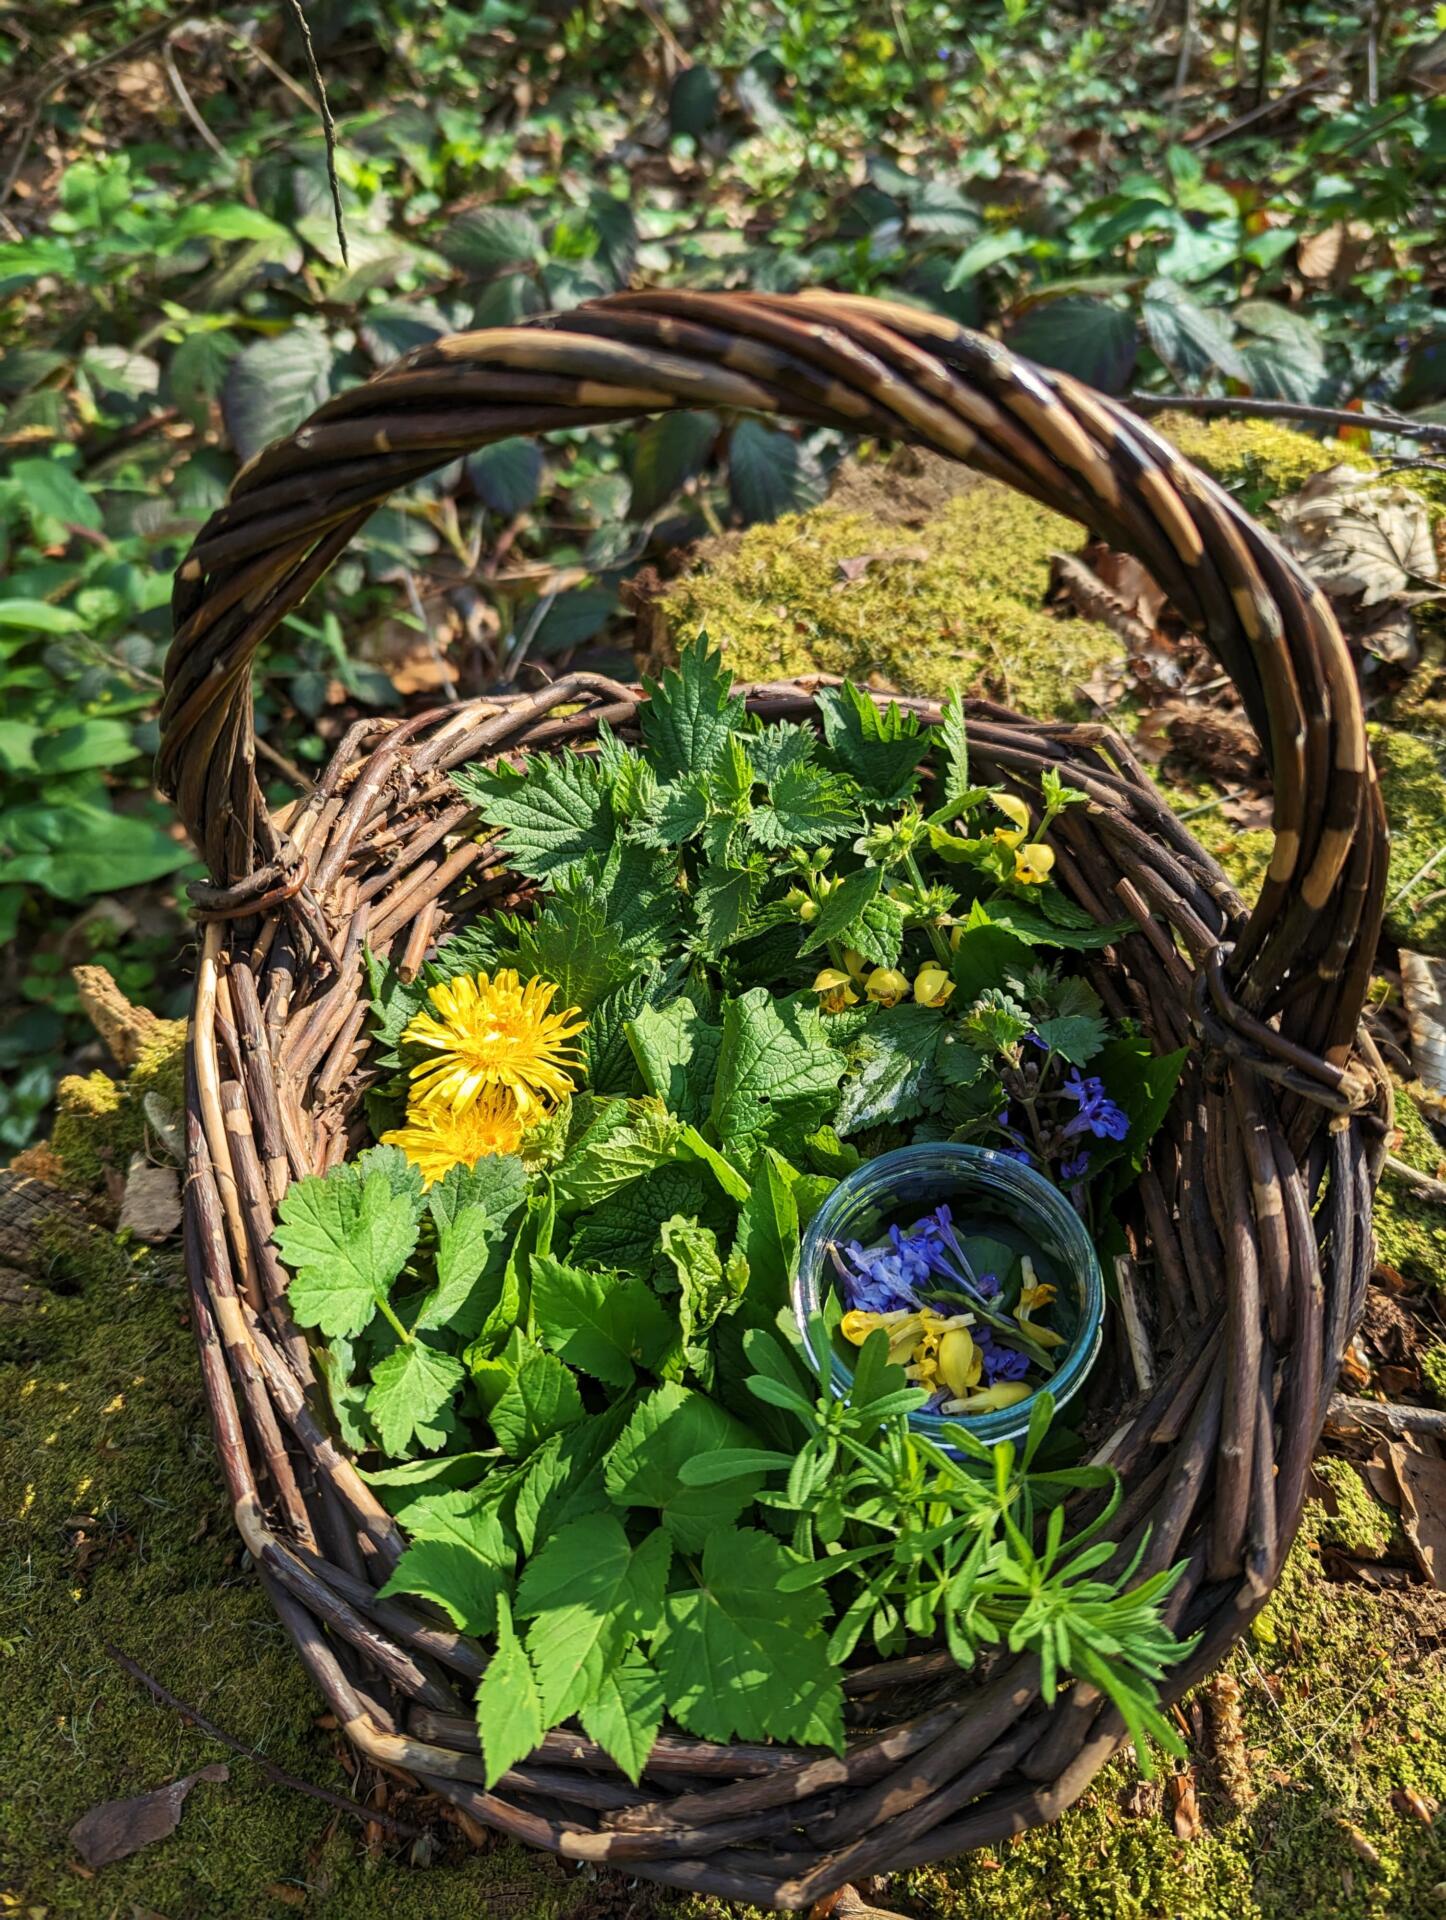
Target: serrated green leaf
{"x":709,"y":1286}
{"x":740,"y":1659}
{"x":678,"y":811}
{"x":541,"y":1398}
{"x":563,"y":1480}
{"x":723,"y":903}
{"x":806,"y":807}
{"x":677,"y":1054}
{"x":843,"y":907}
{"x":509,"y":1703}
{"x":689,"y":714}
{"x":1076,"y":1037}
{"x":892,"y":1074}
{"x":625,"y":1141}
{"x":777,"y":1074}
{"x":669,"y":451}
{"x":458,"y":1560}
{"x":554,"y":813}
{"x":771,"y":472}
{"x":346,"y":1237}
{"x":879,"y":747}
{"x":471,"y":1207}
{"x":600,"y":1325}
{"x":624,"y":1714}
{"x":672,"y":1425}
{"x":409,"y":1389}
{"x":589,"y":1592}
{"x":955,"y":791}
{"x":778,"y":745}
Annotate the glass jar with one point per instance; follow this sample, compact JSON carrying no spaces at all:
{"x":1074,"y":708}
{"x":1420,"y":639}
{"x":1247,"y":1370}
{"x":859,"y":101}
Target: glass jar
{"x":987,"y":1192}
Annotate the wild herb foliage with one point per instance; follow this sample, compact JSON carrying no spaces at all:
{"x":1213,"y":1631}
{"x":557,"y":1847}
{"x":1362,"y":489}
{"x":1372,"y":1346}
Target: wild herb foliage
{"x":606,"y":1443}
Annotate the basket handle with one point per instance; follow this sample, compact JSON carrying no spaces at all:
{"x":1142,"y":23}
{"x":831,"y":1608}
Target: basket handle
{"x":866,"y":366}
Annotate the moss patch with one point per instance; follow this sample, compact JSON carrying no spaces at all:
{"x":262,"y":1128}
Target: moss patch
{"x":1433,"y":1372}
{"x":1256,"y":460}
{"x":1413,"y":785}
{"x":1411,"y":1232}
{"x":101,"y":1122}
{"x":952,"y":598}
{"x":1360,"y":1523}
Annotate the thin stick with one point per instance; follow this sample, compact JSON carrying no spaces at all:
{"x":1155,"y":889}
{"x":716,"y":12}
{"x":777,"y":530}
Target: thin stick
{"x":1425,"y":1184}
{"x":1141,"y":1354}
{"x":1345,"y":1407}
{"x":1433,"y":430}
{"x":402,"y":1828}
{"x":328,"y":125}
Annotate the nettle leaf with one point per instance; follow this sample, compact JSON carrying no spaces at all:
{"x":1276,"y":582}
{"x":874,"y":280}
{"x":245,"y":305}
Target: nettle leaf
{"x":589,"y":1592}
{"x":634,"y":784}
{"x":806,"y":807}
{"x":740,"y":1659}
{"x":609,"y":1064}
{"x":555,"y":813}
{"x":1035,"y":930}
{"x":622,"y":1231}
{"x":600,"y":1325}
{"x":393,"y":1001}
{"x":843,"y":907}
{"x":571,"y":943}
{"x":1076,"y":1037}
{"x":780,"y":745}
{"x":625,"y":1713}
{"x":346,"y":1238}
{"x":777,"y":1074}
{"x":458,"y":1560}
{"x":677,"y":1054}
{"x":678,"y":812}
{"x":879,"y":747}
{"x":688,"y":715}
{"x":723,"y":903}
{"x":955,"y":792}
{"x":673,"y":1425}
{"x":626,"y":1140}
{"x":540,"y":1398}
{"x":892,"y":1073}
{"x":509,"y":1703}
{"x":410,"y":1387}
{"x":641,"y":898}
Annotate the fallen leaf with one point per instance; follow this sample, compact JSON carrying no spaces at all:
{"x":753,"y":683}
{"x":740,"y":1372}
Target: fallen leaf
{"x":1186,"y":1808}
{"x":1368,"y":542}
{"x":1335,"y":253}
{"x":1361,"y":1845}
{"x":117,"y":1828}
{"x":1422,"y":1478}
{"x":151,"y":1209}
{"x":856,"y":565}
{"x":1420,"y":1806}
{"x":1423,"y":988}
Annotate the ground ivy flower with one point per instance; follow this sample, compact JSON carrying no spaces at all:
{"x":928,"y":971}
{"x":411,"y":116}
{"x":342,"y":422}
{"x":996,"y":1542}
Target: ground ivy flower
{"x":932,"y":986}
{"x":437,"y":1137}
{"x":834,"y":990}
{"x":1097,"y":1114}
{"x":1033,"y":864}
{"x":1013,"y":809}
{"x":886,"y":986}
{"x":494,"y":1033}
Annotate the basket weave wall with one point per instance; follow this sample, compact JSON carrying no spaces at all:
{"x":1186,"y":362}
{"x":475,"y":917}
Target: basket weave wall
{"x":1254,"y":1208}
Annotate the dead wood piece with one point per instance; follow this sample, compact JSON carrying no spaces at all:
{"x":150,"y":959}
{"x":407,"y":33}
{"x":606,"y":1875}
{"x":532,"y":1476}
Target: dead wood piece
{"x":31,"y":1212}
{"x":124,"y":1029}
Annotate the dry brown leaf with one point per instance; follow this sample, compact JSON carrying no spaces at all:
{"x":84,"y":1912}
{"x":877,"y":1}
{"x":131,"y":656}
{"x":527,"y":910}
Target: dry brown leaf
{"x":857,"y":564}
{"x":118,"y":1828}
{"x":1422,"y":1478}
{"x":1361,"y":1845}
{"x":151,"y":1209}
{"x":1420,"y":1806}
{"x":1185,"y":1806}
{"x":1368,"y":542}
{"x":1423,"y":989}
{"x":1335,"y":253}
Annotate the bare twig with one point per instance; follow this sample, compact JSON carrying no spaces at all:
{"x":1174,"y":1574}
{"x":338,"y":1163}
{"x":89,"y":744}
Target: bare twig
{"x":1347,"y":1409}
{"x":1420,"y":1183}
{"x":402,"y":1828}
{"x":189,"y":107}
{"x":1433,"y":430}
{"x":328,"y":125}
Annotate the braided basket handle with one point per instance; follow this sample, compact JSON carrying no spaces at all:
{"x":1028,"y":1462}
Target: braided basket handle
{"x":865,"y":366}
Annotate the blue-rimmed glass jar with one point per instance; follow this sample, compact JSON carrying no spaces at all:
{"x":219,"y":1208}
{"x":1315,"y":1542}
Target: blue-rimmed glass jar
{"x":988,"y":1193}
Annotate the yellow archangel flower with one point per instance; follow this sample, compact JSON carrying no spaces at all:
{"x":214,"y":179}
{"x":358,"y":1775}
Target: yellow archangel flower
{"x":933,"y":1350}
{"x":438,"y":1137}
{"x":490,"y":1034}
{"x":834,"y":990}
{"x":1036,"y":1293}
{"x":1033,"y":864}
{"x":886,"y":986}
{"x":1013,"y":809}
{"x":932,"y":986}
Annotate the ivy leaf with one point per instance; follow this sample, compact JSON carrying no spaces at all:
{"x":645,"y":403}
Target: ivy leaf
{"x":509,"y":1703}
{"x":675,"y":1424}
{"x":346,"y":1238}
{"x":625,"y":1713}
{"x":1076,"y":1037}
{"x":600,"y":1325}
{"x":540,"y":1398}
{"x":879,"y":747}
{"x":459,"y":1561}
{"x":589,"y":1592}
{"x":689,"y":714}
{"x":409,"y":1389}
{"x":777,"y":1074}
{"x":554,"y":813}
{"x":892,"y":1075}
{"x":677,"y":1054}
{"x":740,"y":1659}
{"x":806,"y":807}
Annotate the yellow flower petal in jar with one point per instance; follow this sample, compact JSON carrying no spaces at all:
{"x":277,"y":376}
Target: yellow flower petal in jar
{"x":856,"y":1325}
{"x":960,"y":1361}
{"x":1007,"y":1393}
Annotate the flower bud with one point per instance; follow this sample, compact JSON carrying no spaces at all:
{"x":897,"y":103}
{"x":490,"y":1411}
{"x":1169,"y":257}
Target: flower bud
{"x":886,"y":986}
{"x":932,"y":986}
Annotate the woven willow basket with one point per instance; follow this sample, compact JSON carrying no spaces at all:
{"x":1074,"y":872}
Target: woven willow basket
{"x":1252,"y":1217}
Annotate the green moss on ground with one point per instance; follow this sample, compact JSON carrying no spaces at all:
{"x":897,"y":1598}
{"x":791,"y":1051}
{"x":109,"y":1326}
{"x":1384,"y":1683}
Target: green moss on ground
{"x":1433,"y":1372}
{"x":1361,"y":1524}
{"x":1410,"y":1231}
{"x":100,"y":1122}
{"x":1412,"y":767}
{"x":1256,"y":460}
{"x":956,"y":598}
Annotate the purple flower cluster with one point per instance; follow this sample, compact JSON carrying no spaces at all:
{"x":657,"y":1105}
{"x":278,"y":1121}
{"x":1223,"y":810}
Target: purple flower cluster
{"x":1097,"y":1114}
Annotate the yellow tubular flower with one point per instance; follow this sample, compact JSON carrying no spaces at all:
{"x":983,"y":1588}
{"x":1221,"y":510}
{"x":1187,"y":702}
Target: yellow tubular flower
{"x":886,"y":986}
{"x":932,"y":986}
{"x":834,"y":991}
{"x":1008,"y":1393}
{"x":494,"y":1034}
{"x":1037,"y":1293}
{"x":1033,"y":864}
{"x":857,"y":965}
{"x":1015,"y":810}
{"x":960,"y":1361}
{"x":436,"y":1137}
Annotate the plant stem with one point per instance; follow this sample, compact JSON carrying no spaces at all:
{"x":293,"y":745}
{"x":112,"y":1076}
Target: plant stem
{"x":392,"y":1321}
{"x":936,"y":937}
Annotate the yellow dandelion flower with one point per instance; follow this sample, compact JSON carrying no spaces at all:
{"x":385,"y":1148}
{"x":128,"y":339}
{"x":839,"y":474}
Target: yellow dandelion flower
{"x":1033,"y":864}
{"x":494,"y":1033}
{"x":437,"y":1137}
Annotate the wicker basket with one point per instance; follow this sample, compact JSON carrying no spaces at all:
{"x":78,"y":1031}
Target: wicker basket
{"x":1254,"y":1208}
